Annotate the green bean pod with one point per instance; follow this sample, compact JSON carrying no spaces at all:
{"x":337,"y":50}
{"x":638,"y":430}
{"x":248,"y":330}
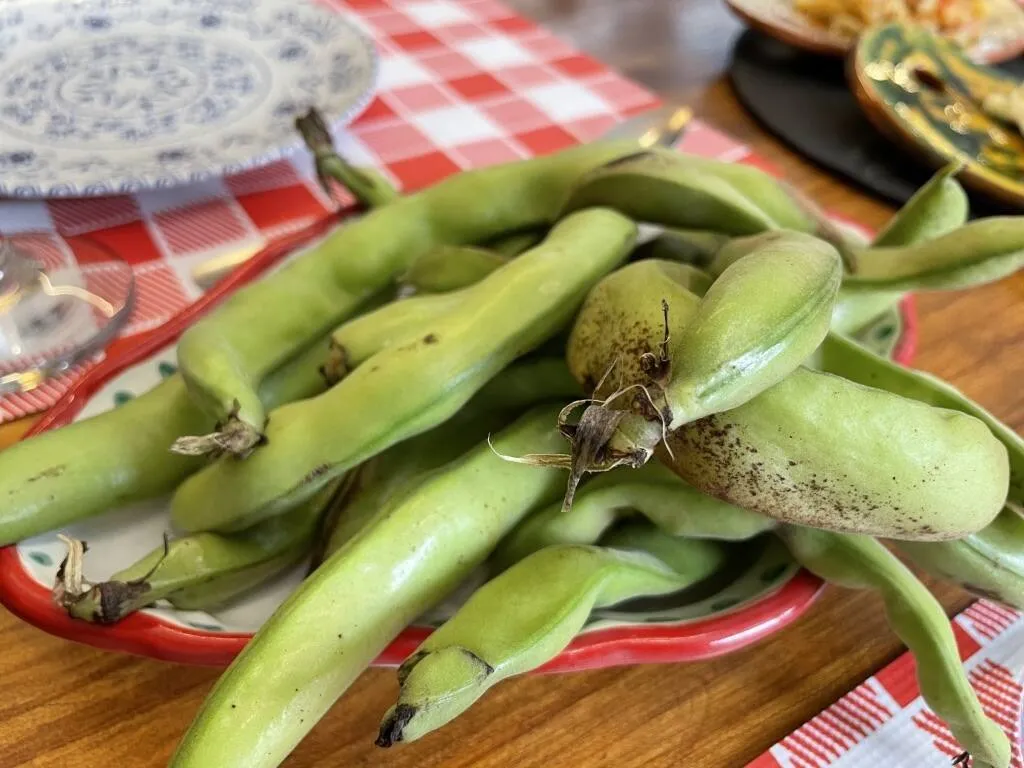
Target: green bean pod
{"x":515,"y":243}
{"x":938,"y":207}
{"x":819,"y":450}
{"x":58,"y":477}
{"x":308,"y":372}
{"x":224,"y":356}
{"x":765,"y":314}
{"x":300,"y":377}
{"x":409,"y":388}
{"x":989,"y":563}
{"x":526,"y":616}
{"x":359,"y":339}
{"x":813,"y":449}
{"x":859,"y":562}
{"x":979,"y":252}
{"x":844,"y":357}
{"x":369,"y":187}
{"x":852,"y":309}
{"x":404,"y":466}
{"x":762,"y":317}
{"x":692,"y":193}
{"x":450,"y":267}
{"x":200,"y":571}
{"x":406,"y":560}
{"x":653,"y":491}
{"x":398,"y":322}
{"x":598,"y":352}
{"x":686,"y":246}
{"x":856,"y":309}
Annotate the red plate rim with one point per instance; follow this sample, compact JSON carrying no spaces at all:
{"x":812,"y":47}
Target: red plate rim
{"x":146,"y":635}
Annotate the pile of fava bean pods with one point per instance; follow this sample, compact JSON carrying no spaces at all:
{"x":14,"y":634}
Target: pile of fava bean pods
{"x":495,"y":372}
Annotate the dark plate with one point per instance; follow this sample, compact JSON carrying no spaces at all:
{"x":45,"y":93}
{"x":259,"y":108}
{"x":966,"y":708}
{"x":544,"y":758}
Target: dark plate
{"x":806,"y":102}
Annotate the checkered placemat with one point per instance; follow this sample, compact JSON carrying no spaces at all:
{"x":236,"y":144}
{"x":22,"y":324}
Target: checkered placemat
{"x":463,"y":84}
{"x":884,"y":722}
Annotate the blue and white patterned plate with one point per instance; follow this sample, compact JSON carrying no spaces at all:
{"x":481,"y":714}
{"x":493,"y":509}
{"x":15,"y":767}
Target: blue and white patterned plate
{"x":113,"y":96}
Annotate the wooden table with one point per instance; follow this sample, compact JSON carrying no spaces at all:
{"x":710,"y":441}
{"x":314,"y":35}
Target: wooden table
{"x":68,"y":705}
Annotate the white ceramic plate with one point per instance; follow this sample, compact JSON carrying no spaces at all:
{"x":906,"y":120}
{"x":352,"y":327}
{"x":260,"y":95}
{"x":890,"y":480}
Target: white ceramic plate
{"x":113,"y":96}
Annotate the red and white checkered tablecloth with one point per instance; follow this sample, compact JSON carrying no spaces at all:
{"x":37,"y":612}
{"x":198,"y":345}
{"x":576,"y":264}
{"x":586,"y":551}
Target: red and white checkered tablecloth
{"x":884,"y":722}
{"x":463,"y":84}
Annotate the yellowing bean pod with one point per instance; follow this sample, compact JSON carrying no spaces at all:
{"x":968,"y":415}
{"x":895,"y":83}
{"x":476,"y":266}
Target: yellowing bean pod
{"x":814,"y":449}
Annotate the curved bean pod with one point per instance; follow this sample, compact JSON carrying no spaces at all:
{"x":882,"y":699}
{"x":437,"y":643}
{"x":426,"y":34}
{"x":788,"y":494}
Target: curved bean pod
{"x":450,"y":267}
{"x":852,"y":309}
{"x":688,"y":192}
{"x":945,"y":474}
{"x":938,"y":207}
{"x":199,"y":571}
{"x":527,"y":615}
{"x":407,"y":389}
{"x":303,"y":375}
{"x":436,"y":271}
{"x":653,"y":491}
{"x":819,"y":450}
{"x":979,"y":252}
{"x":765,"y":314}
{"x":687,"y":246}
{"x":56,"y":477}
{"x":225,"y":355}
{"x":989,"y":563}
{"x":844,"y":357}
{"x":402,"y":467}
{"x":407,"y":559}
{"x":515,"y":243}
{"x":46,"y":481}
{"x":371,"y":189}
{"x":859,"y":562}
{"x":856,"y":309}
{"x":762,"y":317}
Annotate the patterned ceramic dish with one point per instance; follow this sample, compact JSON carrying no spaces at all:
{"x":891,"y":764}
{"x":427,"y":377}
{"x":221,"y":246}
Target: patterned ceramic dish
{"x":1001,"y":37}
{"x":113,"y":96}
{"x":759,"y":592}
{"x":925,"y":93}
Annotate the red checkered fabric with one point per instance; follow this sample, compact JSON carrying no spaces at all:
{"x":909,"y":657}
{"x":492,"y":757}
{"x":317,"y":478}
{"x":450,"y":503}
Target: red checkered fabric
{"x":463,"y":84}
{"x":884,"y":721}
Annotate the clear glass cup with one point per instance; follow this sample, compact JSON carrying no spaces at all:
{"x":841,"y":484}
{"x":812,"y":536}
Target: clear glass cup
{"x":55,"y":310}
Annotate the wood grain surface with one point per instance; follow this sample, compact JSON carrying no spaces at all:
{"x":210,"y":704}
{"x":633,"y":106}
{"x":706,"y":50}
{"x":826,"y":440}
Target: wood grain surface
{"x":68,"y":705}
